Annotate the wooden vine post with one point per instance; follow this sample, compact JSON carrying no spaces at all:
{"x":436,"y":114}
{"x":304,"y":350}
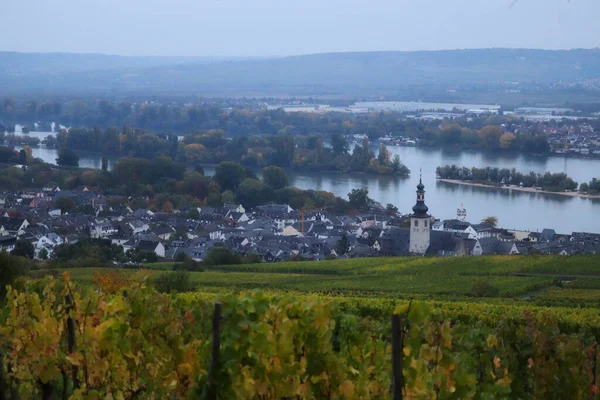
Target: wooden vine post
{"x":397,"y":358}
{"x":71,"y":342}
{"x":211,"y":393}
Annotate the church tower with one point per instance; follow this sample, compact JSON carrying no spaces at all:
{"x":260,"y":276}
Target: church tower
{"x":420,"y":221}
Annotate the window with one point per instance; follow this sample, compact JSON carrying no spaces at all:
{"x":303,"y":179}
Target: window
{"x":425,"y":222}
{"x":416,"y":222}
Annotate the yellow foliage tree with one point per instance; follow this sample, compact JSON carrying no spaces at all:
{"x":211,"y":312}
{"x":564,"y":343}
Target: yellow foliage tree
{"x":168,"y":207}
{"x":506,"y":140}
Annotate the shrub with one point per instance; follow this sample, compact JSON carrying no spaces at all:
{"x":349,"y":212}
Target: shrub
{"x":222,"y":256}
{"x":173,"y":282}
{"x":252,"y":259}
{"x":483,"y":288}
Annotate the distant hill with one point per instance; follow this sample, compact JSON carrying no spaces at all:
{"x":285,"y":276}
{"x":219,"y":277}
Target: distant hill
{"x":365,"y":73}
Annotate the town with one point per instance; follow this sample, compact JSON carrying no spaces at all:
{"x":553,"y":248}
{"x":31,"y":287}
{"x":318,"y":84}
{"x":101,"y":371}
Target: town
{"x":33,"y":224}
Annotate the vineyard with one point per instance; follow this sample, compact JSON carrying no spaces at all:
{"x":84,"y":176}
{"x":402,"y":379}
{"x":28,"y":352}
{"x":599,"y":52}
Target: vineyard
{"x":61,"y":340}
{"x":480,"y":327}
{"x":455,"y":278}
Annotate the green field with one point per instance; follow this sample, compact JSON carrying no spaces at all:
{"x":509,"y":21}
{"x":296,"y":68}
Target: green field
{"x":515,"y":278}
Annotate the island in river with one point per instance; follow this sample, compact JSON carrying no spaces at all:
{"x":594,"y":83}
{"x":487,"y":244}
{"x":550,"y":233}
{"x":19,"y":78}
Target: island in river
{"x":521,"y":189}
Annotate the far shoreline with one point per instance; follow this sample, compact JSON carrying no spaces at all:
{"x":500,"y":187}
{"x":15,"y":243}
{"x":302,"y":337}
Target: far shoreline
{"x":520,"y":189}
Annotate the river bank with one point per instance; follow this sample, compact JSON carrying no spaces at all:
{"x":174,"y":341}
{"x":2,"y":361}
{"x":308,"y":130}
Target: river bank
{"x":520,"y":189}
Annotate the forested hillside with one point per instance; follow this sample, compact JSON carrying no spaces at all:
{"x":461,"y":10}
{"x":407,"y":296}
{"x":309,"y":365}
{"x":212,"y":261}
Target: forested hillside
{"x":366,"y":73}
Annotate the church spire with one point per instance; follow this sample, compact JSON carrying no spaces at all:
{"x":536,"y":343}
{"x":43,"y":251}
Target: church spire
{"x":420,"y":209}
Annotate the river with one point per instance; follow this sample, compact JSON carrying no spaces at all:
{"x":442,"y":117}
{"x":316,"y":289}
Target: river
{"x":515,"y":210}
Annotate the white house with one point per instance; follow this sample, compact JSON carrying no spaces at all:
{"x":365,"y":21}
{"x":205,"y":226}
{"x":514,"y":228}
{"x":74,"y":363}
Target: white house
{"x":138,"y":226}
{"x":47,"y":242}
{"x":456,"y":226}
{"x":102,"y":229}
{"x":14,"y":226}
{"x":7,"y":243}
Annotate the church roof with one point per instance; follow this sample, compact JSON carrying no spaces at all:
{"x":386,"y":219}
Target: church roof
{"x":420,"y":209}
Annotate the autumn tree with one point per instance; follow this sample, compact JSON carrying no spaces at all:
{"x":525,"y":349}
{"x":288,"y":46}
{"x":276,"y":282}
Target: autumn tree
{"x":168,"y":207}
{"x":506,"y":140}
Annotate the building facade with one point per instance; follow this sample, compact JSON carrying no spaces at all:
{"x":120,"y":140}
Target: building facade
{"x":420,"y":224}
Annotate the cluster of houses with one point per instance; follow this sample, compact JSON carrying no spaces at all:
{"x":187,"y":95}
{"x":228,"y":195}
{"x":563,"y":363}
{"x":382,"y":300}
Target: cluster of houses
{"x":274,"y":232}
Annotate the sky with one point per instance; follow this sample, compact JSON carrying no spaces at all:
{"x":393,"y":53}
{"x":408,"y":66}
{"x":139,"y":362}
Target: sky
{"x":293,"y":27}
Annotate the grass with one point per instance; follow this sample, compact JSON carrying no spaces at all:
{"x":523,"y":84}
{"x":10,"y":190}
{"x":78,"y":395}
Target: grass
{"x":401,"y":277}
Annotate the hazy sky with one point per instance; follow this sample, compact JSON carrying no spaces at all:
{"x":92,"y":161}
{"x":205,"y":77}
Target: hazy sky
{"x":283,"y":27}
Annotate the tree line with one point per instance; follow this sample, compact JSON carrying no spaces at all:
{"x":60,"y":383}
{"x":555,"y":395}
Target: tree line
{"x":162,"y":184}
{"x":557,"y":182}
{"x":247,"y":118}
{"x":309,"y":153}
{"x":591,"y":187}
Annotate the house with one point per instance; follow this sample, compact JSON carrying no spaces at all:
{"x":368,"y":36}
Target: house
{"x":103,"y":229}
{"x":442,"y":244}
{"x":547,"y":235}
{"x":137,"y":226}
{"x":13,"y":226}
{"x":274,"y":209}
{"x":7,"y":243}
{"x":483,"y":230}
{"x":491,"y":245}
{"x":164,"y":232}
{"x":143,"y":213}
{"x":236,"y":217}
{"x":456,"y":226}
{"x":233,"y":207}
{"x":369,"y":221}
{"x":466,"y":247}
{"x":149,"y":246}
{"x":48,"y":242}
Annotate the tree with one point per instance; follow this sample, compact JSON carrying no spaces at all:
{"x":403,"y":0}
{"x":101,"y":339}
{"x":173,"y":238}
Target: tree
{"x":275,"y":177}
{"x":491,"y":221}
{"x":391,"y":209}
{"x":221,"y":256}
{"x":342,"y":246}
{"x":24,"y":248}
{"x":199,"y":169}
{"x":339,"y":143}
{"x":168,"y":207}
{"x":10,"y":268}
{"x":383,"y":157}
{"x":181,"y":256}
{"x":506,"y":140}
{"x":359,"y":198}
{"x":22,"y":157}
{"x":249,"y":193}
{"x":584,"y":187}
{"x":67,"y":158}
{"x":104,"y":164}
{"x":229,"y":175}
{"x":193,"y":213}
{"x":65,"y":204}
{"x":214,"y":199}
{"x":43,"y":255}
{"x":228,"y":197}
